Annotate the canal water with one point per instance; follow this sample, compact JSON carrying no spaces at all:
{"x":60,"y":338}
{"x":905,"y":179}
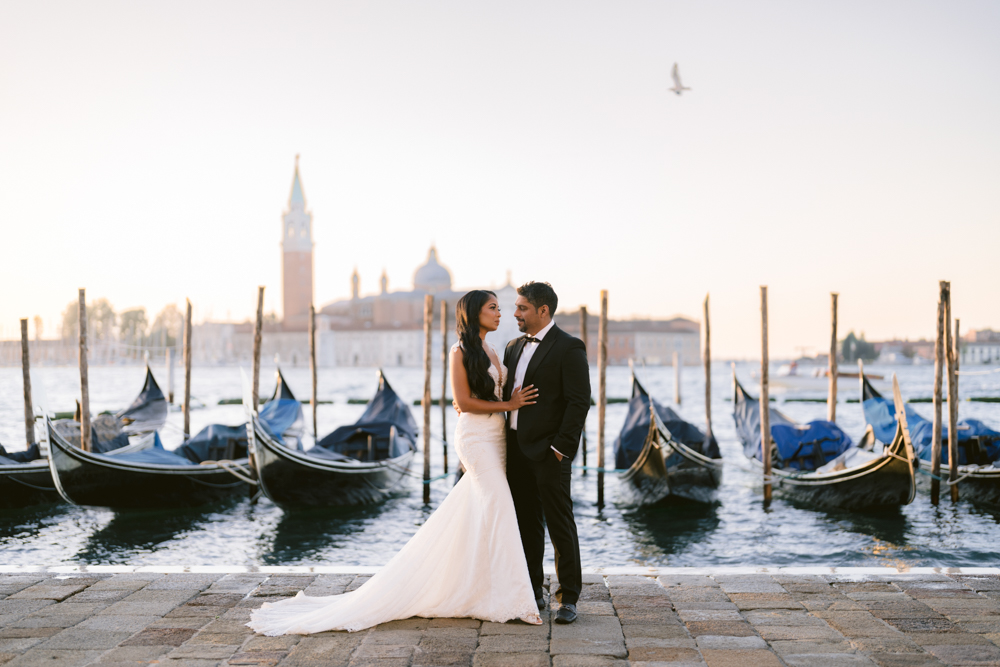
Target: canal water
{"x":737,"y":530}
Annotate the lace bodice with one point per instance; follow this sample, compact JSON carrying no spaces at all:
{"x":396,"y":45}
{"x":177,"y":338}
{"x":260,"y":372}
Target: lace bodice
{"x":499,"y":374}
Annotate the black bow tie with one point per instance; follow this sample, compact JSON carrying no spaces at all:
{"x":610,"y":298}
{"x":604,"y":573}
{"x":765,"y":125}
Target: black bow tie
{"x":531,"y":339}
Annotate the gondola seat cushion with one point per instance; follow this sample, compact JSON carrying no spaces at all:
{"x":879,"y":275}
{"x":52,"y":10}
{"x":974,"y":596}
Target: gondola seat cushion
{"x":352,"y":441}
{"x":216,"y":442}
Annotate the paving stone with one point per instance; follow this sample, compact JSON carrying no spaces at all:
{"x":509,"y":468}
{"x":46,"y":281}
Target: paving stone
{"x":801,"y":646}
{"x":726,"y":628}
{"x":687,"y":580}
{"x":45,"y":591}
{"x":904,"y":660}
{"x":512,"y":644}
{"x":161,"y":636}
{"x":791,"y":632}
{"x":942,"y":638}
{"x":687,"y":615}
{"x":454,"y":623}
{"x":453,"y":659}
{"x":15,"y":633}
{"x":729,"y":643}
{"x":237,"y":583}
{"x":219,"y":638}
{"x":109,"y":596}
{"x":20,"y":644}
{"x":358,"y":582}
{"x":588,"y":661}
{"x":965,"y":653}
{"x":923,"y":625}
{"x":135,"y":654}
{"x":513,"y":628}
{"x":118,"y":623}
{"x":782,"y":617}
{"x":646,"y":617}
{"x":533,"y":659}
{"x":859,"y":624}
{"x":843,"y":604}
{"x":755,"y":585}
{"x":85,"y":638}
{"x":415,"y":623}
{"x":656,"y":631}
{"x":141,"y":608}
{"x":870,"y":645}
{"x":659,"y":642}
{"x":323,"y":649}
{"x":10,"y":584}
{"x":186,"y":623}
{"x":202,"y":652}
{"x":981,"y":583}
{"x":697,"y":595}
{"x":199,"y":612}
{"x":827,"y":660}
{"x":261,"y":658}
{"x":747,"y":601}
{"x":262,"y":643}
{"x":741,"y":658}
{"x":54,"y":658}
{"x":394,"y":637}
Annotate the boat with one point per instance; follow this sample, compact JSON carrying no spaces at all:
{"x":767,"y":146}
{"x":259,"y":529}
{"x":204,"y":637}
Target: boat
{"x":978,"y":447}
{"x":662,"y":455}
{"x":357,"y":464}
{"x":819,"y":464}
{"x":25,"y":478}
{"x":208,"y":467}
{"x":794,"y":379}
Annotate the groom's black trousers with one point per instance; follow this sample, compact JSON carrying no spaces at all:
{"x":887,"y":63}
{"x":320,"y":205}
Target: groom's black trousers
{"x":541,"y":492}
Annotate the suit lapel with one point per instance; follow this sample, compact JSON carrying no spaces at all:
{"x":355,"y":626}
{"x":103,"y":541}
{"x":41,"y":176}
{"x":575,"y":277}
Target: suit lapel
{"x":508,"y":387}
{"x":543,"y":348}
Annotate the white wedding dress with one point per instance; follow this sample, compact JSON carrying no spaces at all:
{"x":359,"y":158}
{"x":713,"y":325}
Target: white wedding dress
{"x":466,"y":561}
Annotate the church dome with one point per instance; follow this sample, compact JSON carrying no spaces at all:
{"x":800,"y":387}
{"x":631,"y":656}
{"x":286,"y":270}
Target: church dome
{"x":432,"y":276}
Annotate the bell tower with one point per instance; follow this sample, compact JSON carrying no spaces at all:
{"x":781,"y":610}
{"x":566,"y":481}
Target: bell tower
{"x":296,"y":259}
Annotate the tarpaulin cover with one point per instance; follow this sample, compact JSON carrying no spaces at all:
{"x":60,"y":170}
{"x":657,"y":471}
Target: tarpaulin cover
{"x":630,"y":441}
{"x":385,"y":411}
{"x":216,"y":442}
{"x":154,"y":454}
{"x":797,"y":446}
{"x":148,"y":411}
{"x":11,"y":458}
{"x":977,"y":442}
{"x":282,"y":415}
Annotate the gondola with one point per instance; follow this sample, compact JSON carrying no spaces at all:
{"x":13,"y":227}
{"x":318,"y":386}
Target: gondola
{"x":357,"y":464}
{"x":25,"y":478}
{"x":978,"y":447}
{"x":663,"y":455}
{"x":208,"y":467}
{"x":818,"y":463}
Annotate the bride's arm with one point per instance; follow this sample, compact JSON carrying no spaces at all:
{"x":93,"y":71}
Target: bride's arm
{"x":468,"y":403}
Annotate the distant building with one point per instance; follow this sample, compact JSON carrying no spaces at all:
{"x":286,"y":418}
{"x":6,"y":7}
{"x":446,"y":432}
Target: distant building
{"x":980,"y":347}
{"x":650,"y":342}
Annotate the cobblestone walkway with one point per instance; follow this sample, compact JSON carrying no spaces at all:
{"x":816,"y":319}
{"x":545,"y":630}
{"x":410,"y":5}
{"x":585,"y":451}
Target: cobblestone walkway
{"x":754,"y":620}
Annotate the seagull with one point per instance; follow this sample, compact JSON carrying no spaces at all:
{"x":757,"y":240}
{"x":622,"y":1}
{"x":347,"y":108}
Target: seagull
{"x":676,"y":76}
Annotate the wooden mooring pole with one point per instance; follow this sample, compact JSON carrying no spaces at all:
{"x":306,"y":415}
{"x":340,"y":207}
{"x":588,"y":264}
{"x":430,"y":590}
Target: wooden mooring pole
{"x":831,"y":400}
{"x":170,"y":376}
{"x":602,"y":393}
{"x":708,"y":379}
{"x":952,"y":402}
{"x":428,"y":325}
{"x":938,"y":376}
{"x":586,"y":347}
{"x":85,"y":443}
{"x":444,"y":383}
{"x":187,"y":371}
{"x":258,"y":325}
{"x":312,"y":367}
{"x":765,"y":401}
{"x":29,"y":412}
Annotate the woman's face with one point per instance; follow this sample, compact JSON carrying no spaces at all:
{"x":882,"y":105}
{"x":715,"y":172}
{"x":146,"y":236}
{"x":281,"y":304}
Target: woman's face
{"x":489,"y":316}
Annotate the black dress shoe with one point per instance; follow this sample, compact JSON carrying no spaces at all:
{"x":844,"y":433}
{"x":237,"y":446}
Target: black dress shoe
{"x":541,"y":603}
{"x":566,"y":614}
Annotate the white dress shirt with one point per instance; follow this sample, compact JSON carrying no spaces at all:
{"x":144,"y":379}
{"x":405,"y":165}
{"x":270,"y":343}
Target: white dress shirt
{"x":522,"y":368}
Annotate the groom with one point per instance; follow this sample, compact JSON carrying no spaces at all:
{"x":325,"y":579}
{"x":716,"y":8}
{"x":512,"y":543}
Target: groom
{"x":542,"y":439}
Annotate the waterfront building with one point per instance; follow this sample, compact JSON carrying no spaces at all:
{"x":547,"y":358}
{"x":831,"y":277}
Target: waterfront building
{"x":980,"y":347}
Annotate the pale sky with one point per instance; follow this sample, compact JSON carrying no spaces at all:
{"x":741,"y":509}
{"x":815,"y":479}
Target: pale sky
{"x":146,"y":153}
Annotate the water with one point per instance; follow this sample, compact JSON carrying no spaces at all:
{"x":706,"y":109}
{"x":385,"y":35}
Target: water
{"x":736,"y":531}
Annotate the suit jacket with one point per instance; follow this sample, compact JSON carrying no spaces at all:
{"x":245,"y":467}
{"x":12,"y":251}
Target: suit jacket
{"x":560,"y":372}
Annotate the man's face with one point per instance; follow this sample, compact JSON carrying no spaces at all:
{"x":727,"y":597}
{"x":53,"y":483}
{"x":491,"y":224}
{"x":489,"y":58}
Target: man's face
{"x":529,"y":319}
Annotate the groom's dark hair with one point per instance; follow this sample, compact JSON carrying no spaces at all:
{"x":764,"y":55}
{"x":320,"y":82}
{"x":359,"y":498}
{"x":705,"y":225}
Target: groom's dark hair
{"x":540,"y":294}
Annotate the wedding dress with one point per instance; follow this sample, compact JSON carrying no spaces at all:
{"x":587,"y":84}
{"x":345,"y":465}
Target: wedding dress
{"x":466,"y":561}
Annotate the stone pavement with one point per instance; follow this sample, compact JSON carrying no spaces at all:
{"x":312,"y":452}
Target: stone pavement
{"x":197,"y":620}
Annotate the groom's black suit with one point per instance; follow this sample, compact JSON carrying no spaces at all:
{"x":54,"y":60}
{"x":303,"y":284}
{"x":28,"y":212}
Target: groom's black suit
{"x":539,"y":482}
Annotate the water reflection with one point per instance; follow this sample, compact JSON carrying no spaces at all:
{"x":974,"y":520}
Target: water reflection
{"x":132,"y":533}
{"x":670,"y":528}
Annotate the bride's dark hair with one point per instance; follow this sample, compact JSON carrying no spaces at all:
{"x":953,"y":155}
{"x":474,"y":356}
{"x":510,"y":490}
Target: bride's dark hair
{"x":475,"y":359}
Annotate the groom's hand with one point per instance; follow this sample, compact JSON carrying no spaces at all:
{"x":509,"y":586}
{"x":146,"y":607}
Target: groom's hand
{"x":559,"y":457}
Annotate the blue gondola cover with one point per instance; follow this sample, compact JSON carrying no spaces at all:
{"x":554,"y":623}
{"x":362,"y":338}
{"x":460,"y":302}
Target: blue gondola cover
{"x":798,"y":446}
{"x":385,"y":411}
{"x":977,"y":442}
{"x":630,"y":441}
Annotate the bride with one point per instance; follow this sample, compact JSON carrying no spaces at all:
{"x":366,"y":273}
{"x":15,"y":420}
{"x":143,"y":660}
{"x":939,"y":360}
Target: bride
{"x":466,"y":561}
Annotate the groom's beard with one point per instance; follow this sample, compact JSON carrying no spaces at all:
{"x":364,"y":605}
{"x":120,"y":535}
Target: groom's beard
{"x":521,"y":326}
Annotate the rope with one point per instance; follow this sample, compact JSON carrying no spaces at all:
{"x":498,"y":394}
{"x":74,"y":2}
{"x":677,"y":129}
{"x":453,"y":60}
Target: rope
{"x":234,"y":469}
{"x":597,"y":469}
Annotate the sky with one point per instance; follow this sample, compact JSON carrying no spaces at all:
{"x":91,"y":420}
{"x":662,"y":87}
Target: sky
{"x":147,"y":150}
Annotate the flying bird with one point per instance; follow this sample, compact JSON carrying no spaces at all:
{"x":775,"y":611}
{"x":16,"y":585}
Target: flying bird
{"x":676,"y":76}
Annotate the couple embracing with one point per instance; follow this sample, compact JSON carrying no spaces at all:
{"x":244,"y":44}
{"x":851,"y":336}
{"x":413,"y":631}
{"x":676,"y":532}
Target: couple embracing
{"x":480,"y":554}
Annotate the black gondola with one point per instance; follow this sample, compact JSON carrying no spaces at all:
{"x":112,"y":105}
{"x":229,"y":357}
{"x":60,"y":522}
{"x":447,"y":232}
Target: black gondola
{"x":878,"y":481}
{"x":664,"y":455}
{"x":978,"y":447}
{"x":208,"y":467}
{"x":356,"y":464}
{"x":25,"y":478}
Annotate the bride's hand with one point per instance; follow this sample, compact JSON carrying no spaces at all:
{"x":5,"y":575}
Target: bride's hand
{"x":522,"y":396}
